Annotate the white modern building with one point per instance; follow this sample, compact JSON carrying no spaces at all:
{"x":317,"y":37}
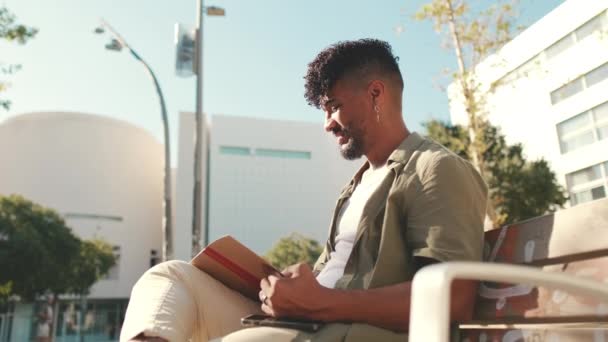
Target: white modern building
{"x":105,"y":178}
{"x":553,"y":95}
{"x":266,"y":179}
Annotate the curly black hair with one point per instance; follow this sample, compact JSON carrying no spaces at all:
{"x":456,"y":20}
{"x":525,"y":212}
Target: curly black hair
{"x":356,"y":58}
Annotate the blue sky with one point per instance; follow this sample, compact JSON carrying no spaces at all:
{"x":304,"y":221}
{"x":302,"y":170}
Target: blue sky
{"x":254,"y":58}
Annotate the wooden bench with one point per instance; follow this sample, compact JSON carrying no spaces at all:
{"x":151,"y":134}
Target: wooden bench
{"x":570,"y":245}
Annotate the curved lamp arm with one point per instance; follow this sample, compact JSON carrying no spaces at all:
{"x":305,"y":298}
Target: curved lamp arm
{"x":167,"y":224}
{"x":430,"y":305}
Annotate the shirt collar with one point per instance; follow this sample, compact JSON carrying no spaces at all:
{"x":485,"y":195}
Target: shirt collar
{"x":398,"y":158}
{"x":405,"y":150}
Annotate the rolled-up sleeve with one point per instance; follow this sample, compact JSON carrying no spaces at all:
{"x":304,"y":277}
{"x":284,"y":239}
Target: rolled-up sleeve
{"x":321,"y":261}
{"x":445,"y":220}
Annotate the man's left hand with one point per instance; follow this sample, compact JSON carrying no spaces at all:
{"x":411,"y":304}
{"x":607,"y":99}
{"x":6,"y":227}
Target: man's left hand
{"x":298,"y":295}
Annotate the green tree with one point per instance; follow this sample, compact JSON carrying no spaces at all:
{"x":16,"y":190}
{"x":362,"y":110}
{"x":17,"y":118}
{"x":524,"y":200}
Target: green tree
{"x":473,"y":35}
{"x":39,"y":253}
{"x":94,"y":261}
{"x":35,"y":248}
{"x":11,"y":31}
{"x":519,"y":189}
{"x":95,"y":258}
{"x":292,"y":250}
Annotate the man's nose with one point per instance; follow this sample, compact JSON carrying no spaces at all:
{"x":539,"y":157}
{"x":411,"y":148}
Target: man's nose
{"x":330,"y":124}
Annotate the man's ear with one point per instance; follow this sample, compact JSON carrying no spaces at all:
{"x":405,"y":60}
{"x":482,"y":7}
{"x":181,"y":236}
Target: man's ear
{"x":377,"y":92}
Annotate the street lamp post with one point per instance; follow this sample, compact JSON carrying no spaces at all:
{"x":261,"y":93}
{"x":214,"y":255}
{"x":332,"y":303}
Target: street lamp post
{"x":189,"y":62}
{"x":198,"y":150}
{"x":198,"y":140}
{"x":117,"y":44}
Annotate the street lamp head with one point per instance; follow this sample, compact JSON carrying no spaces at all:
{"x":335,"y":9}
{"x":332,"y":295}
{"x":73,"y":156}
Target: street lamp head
{"x":215,"y":11}
{"x":114,"y":45}
{"x":99,"y":30}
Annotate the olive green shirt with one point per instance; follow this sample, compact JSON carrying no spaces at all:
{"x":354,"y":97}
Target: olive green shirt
{"x":431,"y":204}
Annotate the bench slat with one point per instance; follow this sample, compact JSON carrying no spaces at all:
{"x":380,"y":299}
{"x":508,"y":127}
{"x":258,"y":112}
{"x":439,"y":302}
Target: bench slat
{"x":576,"y":230}
{"x":547,"y":334}
{"x":539,"y":322}
{"x":501,"y":301}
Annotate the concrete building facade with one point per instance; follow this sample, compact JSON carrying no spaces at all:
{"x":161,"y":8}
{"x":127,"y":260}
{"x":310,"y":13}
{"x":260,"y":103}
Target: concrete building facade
{"x":104,"y":177}
{"x":266,"y":179}
{"x":553,"y":95}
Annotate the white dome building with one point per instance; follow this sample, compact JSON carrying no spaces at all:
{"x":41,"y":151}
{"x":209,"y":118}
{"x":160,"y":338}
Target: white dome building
{"x":105,"y":177}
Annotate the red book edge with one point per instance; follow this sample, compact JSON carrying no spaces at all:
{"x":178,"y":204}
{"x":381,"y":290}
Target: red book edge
{"x":236,"y":269}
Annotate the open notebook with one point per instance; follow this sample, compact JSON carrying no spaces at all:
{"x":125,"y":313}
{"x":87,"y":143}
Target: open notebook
{"x":235,"y":265}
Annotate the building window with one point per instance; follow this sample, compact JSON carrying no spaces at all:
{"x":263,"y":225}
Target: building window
{"x":583,"y":129}
{"x":598,"y":24}
{"x":575,"y":132}
{"x":560,"y":46}
{"x":600,"y":115}
{"x":594,"y":25}
{"x":576,"y":86}
{"x":588,"y":184}
{"x":263,"y":152}
{"x":235,"y":150}
{"x":102,"y":319}
{"x":597,"y":75}
{"x":154,"y":259}
{"x":567,"y":90}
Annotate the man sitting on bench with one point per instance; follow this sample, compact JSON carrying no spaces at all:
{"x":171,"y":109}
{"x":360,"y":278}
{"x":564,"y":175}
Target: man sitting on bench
{"x":413,"y":203}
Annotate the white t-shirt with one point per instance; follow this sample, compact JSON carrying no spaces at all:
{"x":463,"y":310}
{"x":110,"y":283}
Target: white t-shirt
{"x":348,"y":221}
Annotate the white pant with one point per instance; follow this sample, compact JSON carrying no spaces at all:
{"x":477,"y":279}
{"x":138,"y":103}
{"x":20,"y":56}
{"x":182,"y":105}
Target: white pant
{"x":177,"y":301}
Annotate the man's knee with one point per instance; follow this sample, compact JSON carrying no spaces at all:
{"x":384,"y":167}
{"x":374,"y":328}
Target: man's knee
{"x":263,"y":334}
{"x":171,"y":266}
{"x":172,"y":269}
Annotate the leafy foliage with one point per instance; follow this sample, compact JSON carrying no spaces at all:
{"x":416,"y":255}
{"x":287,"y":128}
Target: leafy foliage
{"x":519,"y":189}
{"x":292,"y":250}
{"x":39,"y":253}
{"x":473,"y":35}
{"x":454,"y":137}
{"x":480,"y":33}
{"x":36,"y":245}
{"x":94,"y":261}
{"x":11,"y":31}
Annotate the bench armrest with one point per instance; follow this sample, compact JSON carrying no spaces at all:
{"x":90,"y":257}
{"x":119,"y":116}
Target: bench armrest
{"x":430,"y":303}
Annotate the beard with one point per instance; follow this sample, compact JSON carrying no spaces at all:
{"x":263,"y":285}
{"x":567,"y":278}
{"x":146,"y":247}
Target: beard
{"x":353,"y":149}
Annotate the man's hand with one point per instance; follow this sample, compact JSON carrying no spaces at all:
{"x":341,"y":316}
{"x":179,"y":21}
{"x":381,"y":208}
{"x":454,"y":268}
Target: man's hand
{"x":297,"y":295}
